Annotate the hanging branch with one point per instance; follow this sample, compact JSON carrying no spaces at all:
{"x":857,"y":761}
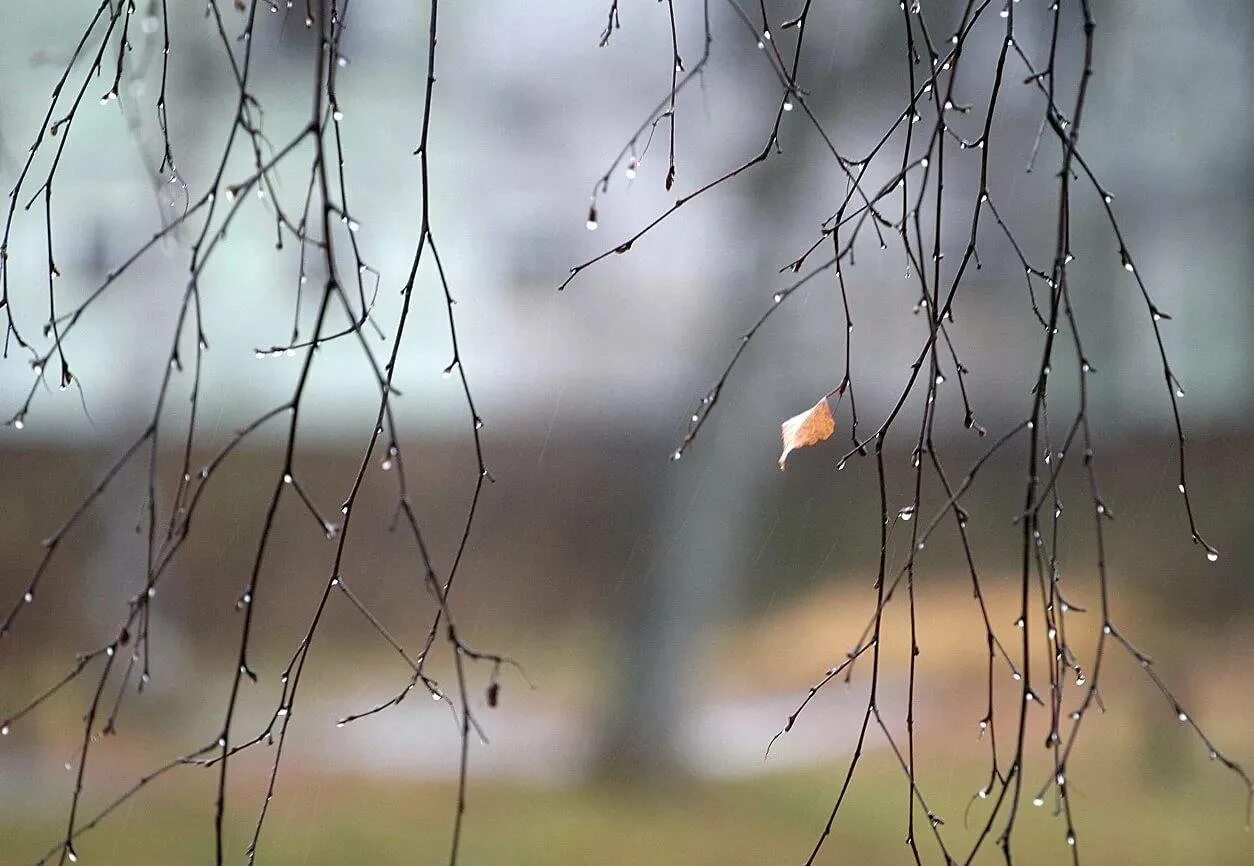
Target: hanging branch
{"x":169,"y":524}
{"x":921,"y":181}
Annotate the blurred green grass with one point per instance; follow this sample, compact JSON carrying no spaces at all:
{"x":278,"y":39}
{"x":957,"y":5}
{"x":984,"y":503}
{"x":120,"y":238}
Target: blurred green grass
{"x":1126,"y":813}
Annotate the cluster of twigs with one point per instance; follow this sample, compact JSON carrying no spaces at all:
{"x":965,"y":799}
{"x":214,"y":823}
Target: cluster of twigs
{"x":931,"y":131}
{"x":323,"y":228}
{"x":905,"y":206}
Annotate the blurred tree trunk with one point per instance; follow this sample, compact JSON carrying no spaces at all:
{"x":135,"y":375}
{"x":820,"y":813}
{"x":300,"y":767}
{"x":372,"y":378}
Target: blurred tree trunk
{"x":693,"y":575}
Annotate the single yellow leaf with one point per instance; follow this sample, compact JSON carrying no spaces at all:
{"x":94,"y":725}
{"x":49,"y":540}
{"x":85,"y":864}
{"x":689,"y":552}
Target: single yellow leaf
{"x":811,"y":426}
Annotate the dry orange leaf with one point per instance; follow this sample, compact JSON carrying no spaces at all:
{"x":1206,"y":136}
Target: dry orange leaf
{"x":811,"y":426}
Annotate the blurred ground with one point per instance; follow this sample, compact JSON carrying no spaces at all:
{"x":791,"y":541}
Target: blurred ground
{"x":381,"y":790}
{"x":318,"y":821}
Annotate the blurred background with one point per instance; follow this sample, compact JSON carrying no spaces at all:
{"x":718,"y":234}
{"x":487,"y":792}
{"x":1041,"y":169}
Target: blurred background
{"x":669,"y":615}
